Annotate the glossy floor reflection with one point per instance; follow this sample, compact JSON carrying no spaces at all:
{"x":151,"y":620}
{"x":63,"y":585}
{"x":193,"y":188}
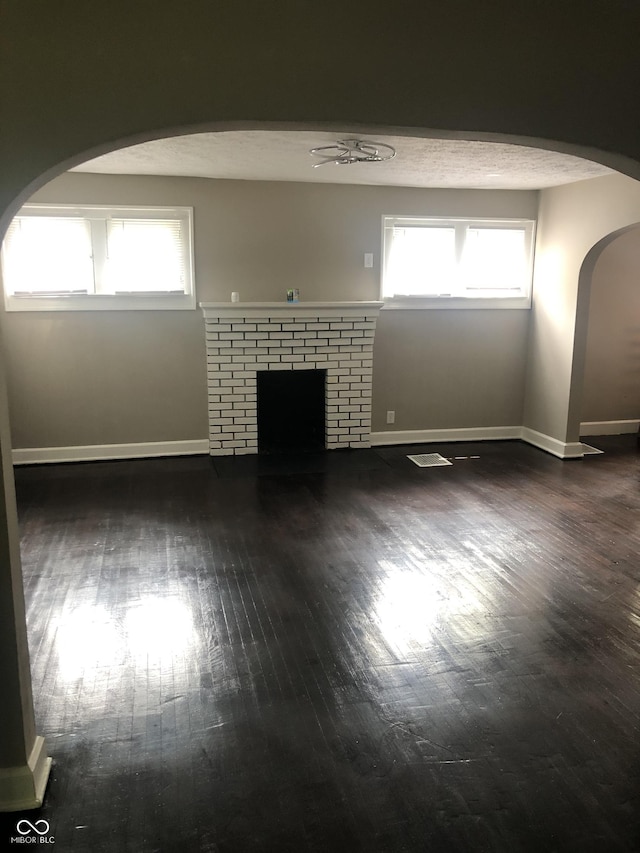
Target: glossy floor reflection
{"x":378,"y":658}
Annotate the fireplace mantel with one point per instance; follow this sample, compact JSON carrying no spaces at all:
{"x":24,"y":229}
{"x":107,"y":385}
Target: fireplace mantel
{"x":288,"y":309}
{"x":243,"y":338}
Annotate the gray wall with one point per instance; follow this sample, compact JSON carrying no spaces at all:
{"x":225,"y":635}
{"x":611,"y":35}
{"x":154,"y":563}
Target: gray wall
{"x":612,"y":363}
{"x":83,"y":378}
{"x":449,"y":369}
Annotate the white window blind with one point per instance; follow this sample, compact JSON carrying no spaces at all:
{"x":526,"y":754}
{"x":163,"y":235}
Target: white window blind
{"x":51,"y":255}
{"x":145,"y":256}
{"x":494,"y":259}
{"x":421,"y":260}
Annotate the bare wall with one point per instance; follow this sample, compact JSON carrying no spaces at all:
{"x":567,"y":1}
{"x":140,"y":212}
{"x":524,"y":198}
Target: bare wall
{"x":82,"y":378}
{"x":449,"y":369}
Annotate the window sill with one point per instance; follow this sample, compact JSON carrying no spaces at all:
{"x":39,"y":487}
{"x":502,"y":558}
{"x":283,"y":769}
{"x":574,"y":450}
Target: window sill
{"x":431,"y":303}
{"x":133,"y":302}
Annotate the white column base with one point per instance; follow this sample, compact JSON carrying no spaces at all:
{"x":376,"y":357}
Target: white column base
{"x":561,"y":449}
{"x":23,"y":787}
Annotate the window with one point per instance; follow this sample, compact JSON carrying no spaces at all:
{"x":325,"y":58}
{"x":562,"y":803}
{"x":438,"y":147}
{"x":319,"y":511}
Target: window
{"x":63,"y":258}
{"x":457,"y":263}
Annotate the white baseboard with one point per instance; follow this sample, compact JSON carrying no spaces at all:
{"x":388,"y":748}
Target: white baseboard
{"x":609,"y":427}
{"x":561,"y":449}
{"x":428,"y":436}
{"x":22,"y":788}
{"x":104,"y":452}
{"x":145,"y":450}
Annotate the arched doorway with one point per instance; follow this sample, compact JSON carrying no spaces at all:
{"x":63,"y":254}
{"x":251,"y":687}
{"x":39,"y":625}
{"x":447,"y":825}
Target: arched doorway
{"x":44,"y":188}
{"x":278,"y":244}
{"x":611,"y":393}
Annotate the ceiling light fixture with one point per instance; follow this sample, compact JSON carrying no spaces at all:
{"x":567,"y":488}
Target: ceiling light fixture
{"x":347,"y":151}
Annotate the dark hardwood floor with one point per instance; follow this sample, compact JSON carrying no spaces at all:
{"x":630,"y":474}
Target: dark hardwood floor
{"x":351,"y":654}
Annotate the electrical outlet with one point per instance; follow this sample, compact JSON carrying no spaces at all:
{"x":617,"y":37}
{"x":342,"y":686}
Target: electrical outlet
{"x":391,"y":417}
{"x":368,"y":260}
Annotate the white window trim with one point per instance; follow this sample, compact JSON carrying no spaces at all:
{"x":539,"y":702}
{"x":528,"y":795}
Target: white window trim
{"x":143,"y":301}
{"x":476,"y":302}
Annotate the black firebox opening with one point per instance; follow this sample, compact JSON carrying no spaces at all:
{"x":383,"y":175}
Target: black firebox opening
{"x":291,"y":411}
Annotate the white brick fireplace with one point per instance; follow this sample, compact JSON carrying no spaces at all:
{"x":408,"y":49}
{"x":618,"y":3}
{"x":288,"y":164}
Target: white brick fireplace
{"x":243,"y":338}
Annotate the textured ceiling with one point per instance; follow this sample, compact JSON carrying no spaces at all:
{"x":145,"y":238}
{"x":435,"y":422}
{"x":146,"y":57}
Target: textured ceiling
{"x":284,"y":156}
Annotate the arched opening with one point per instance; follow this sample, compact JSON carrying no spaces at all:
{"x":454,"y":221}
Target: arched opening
{"x":258,"y":233}
{"x":611,"y":391}
{"x":100,"y":353}
{"x":74,"y":79}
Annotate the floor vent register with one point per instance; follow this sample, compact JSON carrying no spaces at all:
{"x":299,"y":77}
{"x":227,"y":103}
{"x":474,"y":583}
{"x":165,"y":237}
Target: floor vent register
{"x":429,"y":460}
